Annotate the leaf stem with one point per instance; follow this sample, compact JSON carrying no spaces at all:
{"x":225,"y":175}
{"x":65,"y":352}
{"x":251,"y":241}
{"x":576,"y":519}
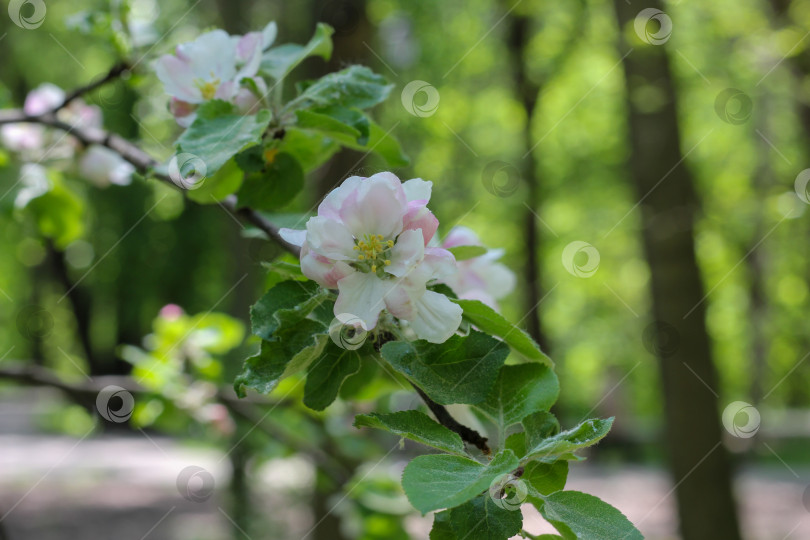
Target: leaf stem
{"x":444,"y":417}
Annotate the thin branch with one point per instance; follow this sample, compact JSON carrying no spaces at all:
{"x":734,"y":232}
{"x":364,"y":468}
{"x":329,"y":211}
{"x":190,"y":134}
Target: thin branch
{"x":115,"y":72}
{"x":444,"y":417}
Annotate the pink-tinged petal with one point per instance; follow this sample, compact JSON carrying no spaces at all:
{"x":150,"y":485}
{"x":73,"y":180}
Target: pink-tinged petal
{"x":376,"y":207}
{"x":249,"y":54}
{"x":293,"y":236}
{"x":417,"y":189}
{"x":324,"y":271}
{"x":103,"y":167}
{"x":362,"y":295}
{"x":211,"y":56}
{"x":181,"y":109}
{"x":401,"y":301}
{"x":330,"y":206}
{"x":461,"y":236}
{"x":186,"y":121}
{"x":497,"y":278}
{"x":42,"y":99}
{"x":437,"y":318}
{"x":330,"y":239}
{"x":407,"y":253}
{"x":440,"y":262}
{"x":177,"y":78}
{"x":419,"y":217}
{"x":22,"y":137}
{"x":226,"y":91}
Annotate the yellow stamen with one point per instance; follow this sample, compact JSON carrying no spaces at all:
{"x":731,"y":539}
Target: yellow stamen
{"x":373,"y":268}
{"x":361,"y":257}
{"x":387,"y":262}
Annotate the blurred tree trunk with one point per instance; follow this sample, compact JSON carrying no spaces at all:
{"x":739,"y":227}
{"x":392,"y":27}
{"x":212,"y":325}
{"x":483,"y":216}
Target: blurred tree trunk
{"x":527,"y":92}
{"x":699,"y":461}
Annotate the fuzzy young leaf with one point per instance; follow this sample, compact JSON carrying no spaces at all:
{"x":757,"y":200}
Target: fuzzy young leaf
{"x":441,"y":527}
{"x":294,"y":350}
{"x":219,"y":132}
{"x":562,"y":445}
{"x":544,"y":478}
{"x":482,"y":519}
{"x":416,"y":426}
{"x":354,"y":87}
{"x":519,"y":391}
{"x":344,"y":128}
{"x":326,"y":374}
{"x":489,"y":320}
{"x":214,"y":188}
{"x":310,"y":149}
{"x":274,"y":186}
{"x":460,"y":370}
{"x":444,"y":481}
{"x":284,"y":305}
{"x":279,"y":61}
{"x":383,"y":144}
{"x":579,"y":516}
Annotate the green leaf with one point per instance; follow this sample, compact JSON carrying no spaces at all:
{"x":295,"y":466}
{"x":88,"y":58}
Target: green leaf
{"x":326,"y":375}
{"x":353,"y":87}
{"x":579,"y":516}
{"x":286,"y":270}
{"x":460,"y":370}
{"x":544,"y":478}
{"x":490,"y":321}
{"x":219,"y":132}
{"x":327,"y":125}
{"x":462,"y":253}
{"x":279,"y":61}
{"x":310,"y":149}
{"x":294,"y":350}
{"x":216,"y":187}
{"x":355,"y":385}
{"x":274,"y":186}
{"x":519,"y":391}
{"x":443,"y":481}
{"x":384,"y":145}
{"x":441,"y":527}
{"x":539,"y":426}
{"x":284,"y":305}
{"x":416,"y":426}
{"x":58,"y":214}
{"x":483,"y":519}
{"x":565,"y":443}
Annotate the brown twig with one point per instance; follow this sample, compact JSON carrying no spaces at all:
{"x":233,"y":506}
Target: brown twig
{"x":444,"y":417}
{"x":116,"y":71}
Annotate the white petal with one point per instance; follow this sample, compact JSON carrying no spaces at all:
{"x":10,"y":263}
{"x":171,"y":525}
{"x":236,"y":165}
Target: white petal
{"x":249,"y":54}
{"x":407,"y":253}
{"x":330,"y":239}
{"x":362,"y":295}
{"x":293,"y":236}
{"x":211,"y":56}
{"x":417,"y":189}
{"x":269,"y":35}
{"x":437,"y":318}
{"x":177,"y":79}
{"x":461,"y":236}
{"x":377,"y":206}
{"x":330,"y":206}
{"x":325,"y":272}
{"x":43,"y":98}
{"x":498,"y":279}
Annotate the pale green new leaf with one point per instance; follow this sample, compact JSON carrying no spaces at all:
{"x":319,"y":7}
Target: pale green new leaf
{"x":416,"y":426}
{"x":279,"y":61}
{"x":519,"y":391}
{"x":482,"y":519}
{"x":284,"y":305}
{"x":443,"y":481}
{"x":563,"y":444}
{"x":353,"y":87}
{"x":579,"y":516}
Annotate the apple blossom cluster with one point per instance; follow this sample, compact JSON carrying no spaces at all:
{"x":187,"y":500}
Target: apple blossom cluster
{"x":371,"y":241}
{"x":36,"y":144}
{"x":215,"y":66}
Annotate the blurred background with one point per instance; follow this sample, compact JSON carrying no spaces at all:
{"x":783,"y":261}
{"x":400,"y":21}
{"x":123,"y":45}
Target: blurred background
{"x":643,"y":171}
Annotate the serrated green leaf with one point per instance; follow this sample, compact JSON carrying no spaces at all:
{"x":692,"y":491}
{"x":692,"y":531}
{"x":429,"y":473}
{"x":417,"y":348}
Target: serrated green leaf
{"x":328,"y":125}
{"x":444,"y":481}
{"x":519,"y":391}
{"x":544,"y":478}
{"x":274,"y":186}
{"x":279,"y":61}
{"x":354,"y":386}
{"x":492,"y":322}
{"x":516,"y":442}
{"x":416,"y":426}
{"x":294,"y":349}
{"x":311,"y":149}
{"x":579,"y":516}
{"x":460,"y":370}
{"x":326,"y":374}
{"x":562,"y":445}
{"x":219,"y":185}
{"x":382,"y":143}
{"x":482,"y":519}
{"x":539,"y":426}
{"x":284,"y":305}
{"x":441,"y":527}
{"x":353,"y":87}
{"x":219,"y":132}
{"x":462,"y":253}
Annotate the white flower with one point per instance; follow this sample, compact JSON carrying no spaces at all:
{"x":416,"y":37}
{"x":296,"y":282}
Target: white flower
{"x":369,"y":241}
{"x":479,"y":278}
{"x":103,"y":167}
{"x":35,"y":182}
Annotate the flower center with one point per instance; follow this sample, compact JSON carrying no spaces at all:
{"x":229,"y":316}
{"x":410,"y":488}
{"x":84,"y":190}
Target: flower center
{"x":208,"y":89}
{"x":375,"y":252}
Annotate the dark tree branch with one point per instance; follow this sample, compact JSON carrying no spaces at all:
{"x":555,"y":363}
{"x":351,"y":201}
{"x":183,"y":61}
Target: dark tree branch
{"x":115,"y":72}
{"x":467,"y":434}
